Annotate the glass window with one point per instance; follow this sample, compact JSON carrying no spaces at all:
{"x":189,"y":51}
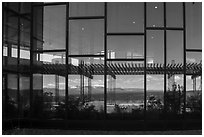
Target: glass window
{"x":37,"y":95}
{"x":193,"y":25}
{"x":125,"y":17}
{"x":13,"y":6}
{"x":53,"y":96}
{"x":52,"y":25}
{"x":25,"y":33}
{"x":155,"y":47}
{"x":86,"y":86}
{"x":174,"y":14}
{"x":86,"y":9}
{"x":155,"y":14}
{"x":194,"y":57}
{"x":25,"y":7}
{"x":5,"y":50}
{"x":25,"y":56}
{"x":174,"y":47}
{"x":155,"y":96}
{"x":126,"y":91}
{"x":38,"y":28}
{"x":50,"y":57}
{"x":12,"y":107}
{"x":24,"y":96}
{"x":125,"y":47}
{"x":86,"y":37}
{"x":11,"y":28}
{"x":14,"y":51}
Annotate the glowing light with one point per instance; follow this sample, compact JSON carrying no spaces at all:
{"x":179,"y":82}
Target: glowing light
{"x":153,"y":25}
{"x":155,"y":7}
{"x":82,"y":29}
{"x":133,"y":22}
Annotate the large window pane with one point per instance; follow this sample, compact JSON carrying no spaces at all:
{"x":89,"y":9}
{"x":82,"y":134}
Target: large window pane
{"x":174,"y":47}
{"x":86,"y":88}
{"x":86,"y":9}
{"x":54,"y":24}
{"x":155,"y":14}
{"x":125,"y":17}
{"x":53,"y":96}
{"x":174,"y":14}
{"x":194,"y":25}
{"x":174,"y":95}
{"x":125,"y":47}
{"x":24,"y":85}
{"x":194,"y":97}
{"x":193,"y":57}
{"x":155,"y":47}
{"x":86,"y":37}
{"x":155,"y":96}
{"x":125,"y":91}
{"x":11,"y":28}
{"x":37,"y":95}
{"x":25,"y":42}
{"x":12,"y":107}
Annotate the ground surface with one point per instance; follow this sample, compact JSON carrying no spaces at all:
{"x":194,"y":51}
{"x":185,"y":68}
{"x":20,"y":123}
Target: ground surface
{"x":94,"y":132}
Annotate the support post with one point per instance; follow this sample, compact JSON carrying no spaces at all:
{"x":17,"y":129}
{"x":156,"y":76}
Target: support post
{"x":89,"y":89}
{"x":165,"y":58}
{"x":184,"y":56}
{"x":56,"y":89}
{"x":145,"y":63}
{"x":105,"y":58}
{"x":67,"y":61}
{"x":194,"y":84}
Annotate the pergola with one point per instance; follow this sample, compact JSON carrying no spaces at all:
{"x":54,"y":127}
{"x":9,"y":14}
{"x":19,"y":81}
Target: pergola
{"x":113,"y":69}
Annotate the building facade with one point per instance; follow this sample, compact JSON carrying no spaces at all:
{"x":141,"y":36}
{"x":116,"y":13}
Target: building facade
{"x":87,"y":60}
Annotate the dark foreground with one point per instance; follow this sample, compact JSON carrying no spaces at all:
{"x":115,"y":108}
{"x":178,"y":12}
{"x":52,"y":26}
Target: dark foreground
{"x":95,"y":132}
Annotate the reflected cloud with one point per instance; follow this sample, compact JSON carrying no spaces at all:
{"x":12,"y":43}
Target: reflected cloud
{"x":191,"y":60}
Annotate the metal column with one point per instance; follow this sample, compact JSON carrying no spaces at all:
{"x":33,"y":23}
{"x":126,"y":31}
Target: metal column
{"x":145,"y":61}
{"x":105,"y":58}
{"x":67,"y":61}
{"x":184,"y":55}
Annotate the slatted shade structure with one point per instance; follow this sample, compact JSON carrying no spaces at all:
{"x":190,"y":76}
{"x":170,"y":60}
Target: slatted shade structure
{"x":194,"y":69}
{"x":113,"y":69}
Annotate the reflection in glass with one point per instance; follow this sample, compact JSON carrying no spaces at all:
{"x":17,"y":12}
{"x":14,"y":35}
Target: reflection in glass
{"x":49,"y":57}
{"x":194,"y":57}
{"x":193,"y":25}
{"x":37,"y":95}
{"x":12,"y":107}
{"x":174,"y":14}
{"x":174,"y":94}
{"x":155,"y":14}
{"x":155,"y":47}
{"x":53,"y":96}
{"x":24,"y":95}
{"x":125,"y":87}
{"x":52,"y":26}
{"x":155,"y":96}
{"x":86,"y":37}
{"x":86,"y":9}
{"x":174,"y":47}
{"x":125,"y":47}
{"x":125,"y":17}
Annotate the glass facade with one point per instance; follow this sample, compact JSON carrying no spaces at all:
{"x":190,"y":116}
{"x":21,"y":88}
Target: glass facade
{"x":101,"y":60}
